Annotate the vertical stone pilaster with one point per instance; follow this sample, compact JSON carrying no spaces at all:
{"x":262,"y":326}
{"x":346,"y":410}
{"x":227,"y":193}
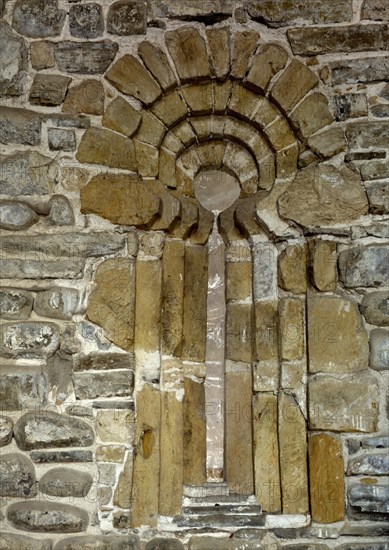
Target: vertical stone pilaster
{"x":172,"y":297}
{"x":194,"y":433}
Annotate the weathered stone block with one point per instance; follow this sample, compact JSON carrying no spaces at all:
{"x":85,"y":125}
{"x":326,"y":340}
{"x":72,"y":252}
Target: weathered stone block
{"x":188,"y":50}
{"x":170,"y":109}
{"x":102,"y":542}
{"x":164,"y":544}
{"x":244,"y":44}
{"x":101,"y":146}
{"x":129,"y":76}
{"x":341,"y":190}
{"x":375,"y":169}
{"x":85,"y":57}
{"x":30,"y":269}
{"x":218,"y":40}
{"x":127,"y":17}
{"x":343,"y":403}
{"x":123,"y":492}
{"x":378,"y":195}
{"x":43,"y":457}
{"x":47,"y":429}
{"x":105,"y":361}
{"x":328,"y":143}
{"x":294,"y":83}
{"x":61,"y":140}
{"x":264,"y":271}
{"x":267,"y":63}
{"x":291,"y":328}
{"x":312,"y":114}
{"x":61,"y":212}
{"x":158,"y":64}
{"x":326,"y":476}
{"x":379,"y":349}
{"x":43,"y":517}
{"x":122,"y":117}
{"x":239,"y":332}
{"x":16,"y":216}
{"x":29,"y":339}
{"x":350,"y":106}
{"x":292,"y":269}
{"x":20,"y":126}
{"x":266,"y":333}
{"x":369,"y":497}
{"x":239,"y":280}
{"x":12,"y":541}
{"x":116,"y":426}
{"x":86,"y":20}
{"x":112,"y":303}
{"x":38,"y":18}
{"x":103,"y":384}
{"x":351,"y":71}
{"x":323,"y":264}
{"x":194,"y":433}
{"x":57,"y":303}
{"x":191,"y":9}
{"x":375,"y":308}
{"x":87,"y":97}
{"x":376,"y":464}
{"x":110,"y":453}
{"x":375,"y":9}
{"x":364,"y":266}
{"x":21,"y":391}
{"x":42,"y":55}
{"x":17,"y":476}
{"x":65,"y":482}
{"x":6,"y":430}
{"x":172,"y":297}
{"x":49,"y":89}
{"x":13,"y":60}
{"x":148,"y":305}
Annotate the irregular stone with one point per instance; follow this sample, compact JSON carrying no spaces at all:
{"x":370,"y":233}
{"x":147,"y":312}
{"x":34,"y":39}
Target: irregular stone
{"x":17,"y":476}
{"x":340,"y":190}
{"x":6,"y":431}
{"x":381,"y":110}
{"x":61,"y":140}
{"x":351,"y":71}
{"x":13,"y":61}
{"x":74,"y":178}
{"x":350,"y":38}
{"x":364,"y":266}
{"x":244,"y":44}
{"x":148,"y":300}
{"x":264,"y":271}
{"x":129,"y":76}
{"x":42,"y":517}
{"x":239,"y":280}
{"x":29,"y":339}
{"x":190,"y":9}
{"x":350,"y":106}
{"x":376,"y":464}
{"x":116,"y":426}
{"x":291,"y":328}
{"x":127,"y":17}
{"x":375,"y":169}
{"x":172,"y":297}
{"x":385,"y":92}
{"x":369,"y":497}
{"x":323,"y":264}
{"x":42,"y":55}
{"x":20,"y":126}
{"x":47,"y":429}
{"x":20,"y":391}
{"x":194,"y":433}
{"x":292,"y":269}
{"x":343,"y":403}
{"x":87,"y":97}
{"x":122,"y":117}
{"x":293,"y":456}
{"x":151,"y":129}
{"x":188,"y":50}
{"x":64,"y":245}
{"x":43,"y":457}
{"x":57,"y":303}
{"x":68,"y":121}
{"x":266,"y":346}
{"x":16,"y":216}
{"x":86,"y":20}
{"x":375,"y":9}
{"x":30,"y":269}
{"x":49,"y":89}
{"x":112,"y":303}
{"x":218,"y":40}
{"x":326,"y":475}
{"x":279,"y":13}
{"x":85,"y":57}
{"x":105,"y":361}
{"x":171,"y":207}
{"x":61,"y":211}
{"x":158,"y":64}
{"x":96,"y":542}
{"x":38,"y":18}
{"x":122,"y":520}
{"x":101,"y":146}
{"x":375,"y":308}
{"x":65,"y":482}
{"x":110,"y":453}
{"x":379,"y":349}
{"x":268,"y":62}
{"x":294,"y":83}
{"x":312,"y":114}
{"x":12,"y":541}
{"x":337,"y":340}
{"x":328,"y":143}
{"x":239,"y":332}
{"x":378,"y":196}
{"x":59,"y":374}
{"x":195,"y":303}
{"x":103,"y":384}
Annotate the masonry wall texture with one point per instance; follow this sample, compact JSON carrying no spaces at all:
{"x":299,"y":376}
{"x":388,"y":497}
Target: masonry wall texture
{"x":109,"y":110}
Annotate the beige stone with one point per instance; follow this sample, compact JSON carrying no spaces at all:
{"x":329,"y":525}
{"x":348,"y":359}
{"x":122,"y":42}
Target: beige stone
{"x":286,"y":162}
{"x":294,"y":83}
{"x":172,"y":455}
{"x":195,"y":303}
{"x":328,"y":143}
{"x":204,"y":226}
{"x":189,"y":217}
{"x":172,"y":374}
{"x":337,"y":340}
{"x":211,"y":154}
{"x":244,"y":44}
{"x":293,"y":456}
{"x":219,"y":47}
{"x":112,"y":302}
{"x":266,"y":452}
{"x":266,"y":331}
{"x":326,"y":476}
{"x":323,"y":264}
{"x":172,"y":297}
{"x":199,"y":98}
{"x":145,"y":488}
{"x":194,"y":433}
{"x":245,"y":216}
{"x":241,"y":163}
{"x":343,"y":403}
{"x":123,"y":493}
{"x":188,"y":50}
{"x":42,"y":55}
{"x":266,"y":375}
{"x":147,"y":159}
{"x":157,"y":63}
{"x":115,"y":426}
{"x":129,"y":76}
{"x":148,"y":305}
{"x":280,"y":134}
{"x":151,"y":129}
{"x":312,"y":114}
{"x":151,"y":244}
{"x":87,"y":97}
{"x":122,"y":117}
{"x":167,"y":168}
{"x":291,"y":327}
{"x":171,"y":207}
{"x":238,"y":429}
{"x":221,"y":95}
{"x":265,"y":113}
{"x":292,"y":269}
{"x":184,"y":133}
{"x":293,"y":375}
{"x":243,"y":102}
{"x":239,"y":280}
{"x":74,"y":178}
{"x":101,"y":146}
{"x":239,"y":332}
{"x":330,"y":196}
{"x":110,"y":453}
{"x":267,"y":63}
{"x":170,"y":109}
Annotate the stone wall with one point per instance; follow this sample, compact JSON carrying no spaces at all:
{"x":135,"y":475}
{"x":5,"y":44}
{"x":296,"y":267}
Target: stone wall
{"x":109,"y":110}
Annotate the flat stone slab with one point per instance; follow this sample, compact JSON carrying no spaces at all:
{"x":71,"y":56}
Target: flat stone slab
{"x":46,"y":517}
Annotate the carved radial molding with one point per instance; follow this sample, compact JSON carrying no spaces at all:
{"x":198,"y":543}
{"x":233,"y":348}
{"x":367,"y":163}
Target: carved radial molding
{"x":204,"y":109}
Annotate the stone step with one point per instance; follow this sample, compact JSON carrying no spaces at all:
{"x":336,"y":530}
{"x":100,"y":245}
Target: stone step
{"x":217,"y":489}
